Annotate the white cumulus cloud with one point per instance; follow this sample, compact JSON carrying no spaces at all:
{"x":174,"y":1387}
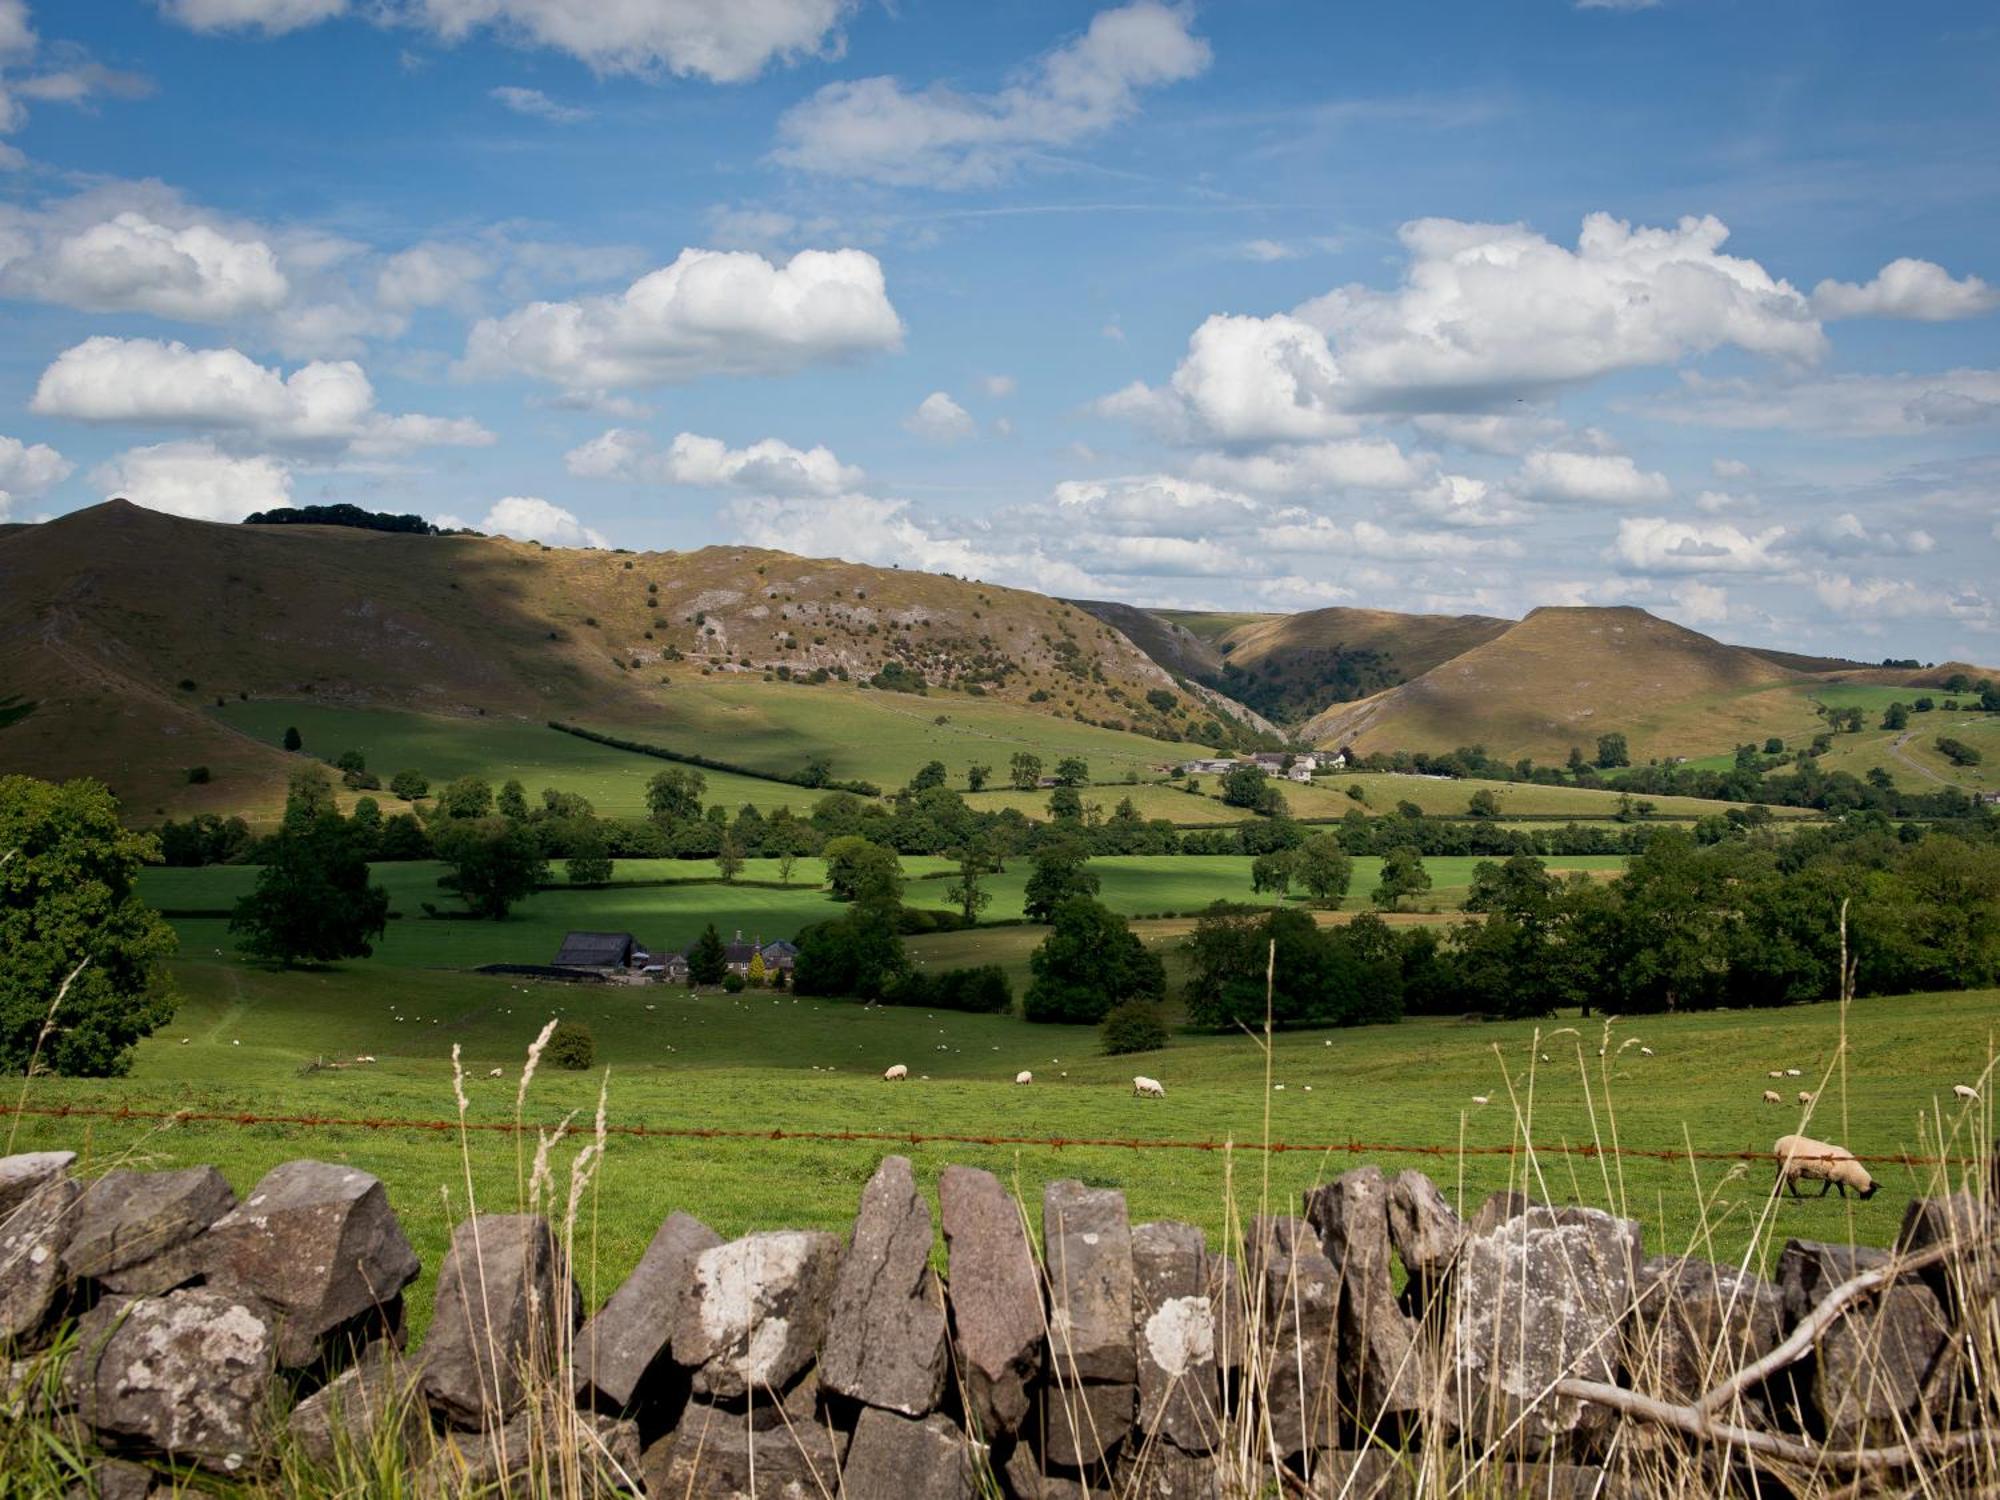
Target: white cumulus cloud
{"x":1558,"y":477}
{"x":271,"y":17}
{"x":28,"y":470}
{"x":529,"y":518}
{"x":1654,"y":544}
{"x":195,"y":478}
{"x":940,"y":419}
{"x":195,"y":273}
{"x":1917,"y":289}
{"x":1485,"y":313}
{"x":712,"y":312}
{"x":725,"y":41}
{"x":877,"y":129}
{"x":768,"y":467}
{"x":149,"y":383}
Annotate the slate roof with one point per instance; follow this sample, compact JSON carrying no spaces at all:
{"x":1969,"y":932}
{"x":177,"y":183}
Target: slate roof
{"x":596,"y":950}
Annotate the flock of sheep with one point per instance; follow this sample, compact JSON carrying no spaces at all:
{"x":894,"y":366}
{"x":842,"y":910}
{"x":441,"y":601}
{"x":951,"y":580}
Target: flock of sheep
{"x":1142,"y":1086}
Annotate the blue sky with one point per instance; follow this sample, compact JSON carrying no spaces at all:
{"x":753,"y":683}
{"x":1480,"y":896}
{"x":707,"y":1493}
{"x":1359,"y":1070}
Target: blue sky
{"x":1692,"y":305}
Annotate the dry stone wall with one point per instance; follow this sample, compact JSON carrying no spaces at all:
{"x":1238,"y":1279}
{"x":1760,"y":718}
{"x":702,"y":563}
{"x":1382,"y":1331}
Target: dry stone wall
{"x":1113,"y":1358}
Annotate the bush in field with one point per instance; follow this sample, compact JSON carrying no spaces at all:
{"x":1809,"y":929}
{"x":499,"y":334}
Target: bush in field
{"x":571,"y":1046}
{"x":1135,"y":1026}
{"x":67,"y":894}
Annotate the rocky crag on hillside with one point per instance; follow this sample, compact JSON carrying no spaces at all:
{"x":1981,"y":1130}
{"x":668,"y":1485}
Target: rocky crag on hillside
{"x":1533,"y":1343}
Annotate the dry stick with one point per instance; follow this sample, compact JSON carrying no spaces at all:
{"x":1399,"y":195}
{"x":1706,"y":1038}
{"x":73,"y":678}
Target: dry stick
{"x":1696,"y":1423}
{"x":1816,"y":1322}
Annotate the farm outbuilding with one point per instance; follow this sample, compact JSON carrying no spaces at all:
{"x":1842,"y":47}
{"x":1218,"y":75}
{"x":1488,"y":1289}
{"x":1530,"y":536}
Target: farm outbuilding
{"x":598,"y":950}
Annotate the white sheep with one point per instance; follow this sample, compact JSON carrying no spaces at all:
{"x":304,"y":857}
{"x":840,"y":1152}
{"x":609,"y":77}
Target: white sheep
{"x":1024,"y":1076}
{"x":1481,"y":1099}
{"x":1775,"y":1073}
{"x":1964,"y":1091}
{"x":496,"y":1072}
{"x":1772,"y":1096}
{"x":895,"y":1074}
{"x":1645,"y":1051}
{"x":1802,"y":1156}
{"x":1805,"y":1096}
{"x":1148,"y":1088}
{"x":1791,"y":1072}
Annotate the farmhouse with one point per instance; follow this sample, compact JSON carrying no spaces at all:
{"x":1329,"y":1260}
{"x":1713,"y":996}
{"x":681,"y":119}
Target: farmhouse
{"x":738,"y":954}
{"x":1221,"y":766}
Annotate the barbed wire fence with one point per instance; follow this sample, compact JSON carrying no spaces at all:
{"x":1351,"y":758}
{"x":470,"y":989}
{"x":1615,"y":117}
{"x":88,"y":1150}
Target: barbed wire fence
{"x":643,"y":1131}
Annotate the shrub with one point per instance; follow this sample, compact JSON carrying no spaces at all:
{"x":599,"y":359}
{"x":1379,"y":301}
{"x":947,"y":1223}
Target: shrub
{"x":1135,"y":1026}
{"x":198,"y":775}
{"x":733,"y":982}
{"x":571,"y":1046}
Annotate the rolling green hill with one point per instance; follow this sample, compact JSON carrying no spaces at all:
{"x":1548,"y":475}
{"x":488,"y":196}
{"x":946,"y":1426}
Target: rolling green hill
{"x":127,"y":629}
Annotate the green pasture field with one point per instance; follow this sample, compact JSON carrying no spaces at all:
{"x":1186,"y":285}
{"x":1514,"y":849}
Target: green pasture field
{"x":1328,"y":797}
{"x":878,"y":736}
{"x":245,"y":1039}
{"x":1858,"y":754}
{"x":498,"y":749}
{"x":673,"y":915}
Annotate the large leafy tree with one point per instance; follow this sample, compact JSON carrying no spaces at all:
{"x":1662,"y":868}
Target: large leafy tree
{"x":69,"y":912}
{"x":314,"y":902}
{"x":494,"y":862}
{"x":1061,"y":872}
{"x":674,"y":795}
{"x":1324,"y":869}
{"x":1090,"y":962}
{"x":863,"y":872}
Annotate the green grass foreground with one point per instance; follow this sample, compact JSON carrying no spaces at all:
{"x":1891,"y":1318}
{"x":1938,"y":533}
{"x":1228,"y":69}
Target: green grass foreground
{"x":763,"y":1062}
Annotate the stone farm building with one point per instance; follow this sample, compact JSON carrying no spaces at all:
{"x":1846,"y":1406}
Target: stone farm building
{"x":622,"y":954}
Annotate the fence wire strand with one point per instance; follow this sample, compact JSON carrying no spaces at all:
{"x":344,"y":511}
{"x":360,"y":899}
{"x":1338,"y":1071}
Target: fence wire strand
{"x":1586,"y":1149}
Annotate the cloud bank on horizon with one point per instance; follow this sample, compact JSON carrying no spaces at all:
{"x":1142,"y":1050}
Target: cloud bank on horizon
{"x":1282,"y":321}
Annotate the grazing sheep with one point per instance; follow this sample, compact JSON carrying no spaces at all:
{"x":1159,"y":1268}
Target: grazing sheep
{"x":1775,"y":1073}
{"x":1791,"y":1072}
{"x":1645,"y":1051}
{"x":1802,"y":1156}
{"x":1148,"y":1088}
{"x":1481,"y":1099}
{"x":1805,"y":1096}
{"x":1964,"y":1091}
{"x":1772,"y":1096}
{"x":1024,"y":1076}
{"x":895,"y":1074}
{"x":184,"y":1041}
{"x":496,"y":1072}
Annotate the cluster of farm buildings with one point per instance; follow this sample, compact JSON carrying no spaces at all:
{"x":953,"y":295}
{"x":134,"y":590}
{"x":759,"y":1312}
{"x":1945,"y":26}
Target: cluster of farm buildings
{"x":1292,"y":765}
{"x":622,"y":955}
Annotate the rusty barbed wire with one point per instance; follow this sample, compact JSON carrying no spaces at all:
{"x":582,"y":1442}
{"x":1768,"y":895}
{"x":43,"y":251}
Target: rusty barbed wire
{"x":640,"y":1130}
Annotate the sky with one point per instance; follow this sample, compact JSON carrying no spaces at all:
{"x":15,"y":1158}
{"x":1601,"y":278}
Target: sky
{"x":1255,"y":304}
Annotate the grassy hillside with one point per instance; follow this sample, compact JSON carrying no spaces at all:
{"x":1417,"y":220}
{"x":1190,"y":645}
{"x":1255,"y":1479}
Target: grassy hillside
{"x":123,"y":626}
{"x":762,"y":1062}
{"x":769,"y":727}
{"x":1562,"y":677}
